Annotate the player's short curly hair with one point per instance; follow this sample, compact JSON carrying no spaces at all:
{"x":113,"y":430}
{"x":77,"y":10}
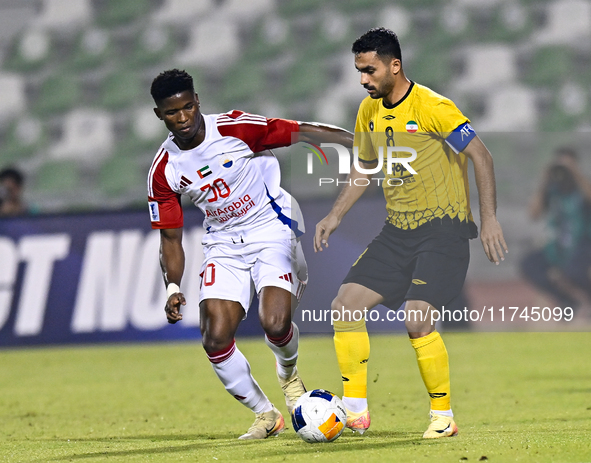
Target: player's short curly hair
{"x":170,"y":83}
{"x":381,"y":40}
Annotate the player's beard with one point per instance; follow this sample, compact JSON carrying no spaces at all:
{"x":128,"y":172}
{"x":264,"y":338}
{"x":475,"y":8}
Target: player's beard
{"x":385,"y":88}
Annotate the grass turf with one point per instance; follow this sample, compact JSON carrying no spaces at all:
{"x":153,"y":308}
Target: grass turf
{"x":516,"y":396}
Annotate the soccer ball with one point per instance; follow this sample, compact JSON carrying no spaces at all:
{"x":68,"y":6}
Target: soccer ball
{"x":319,"y":416}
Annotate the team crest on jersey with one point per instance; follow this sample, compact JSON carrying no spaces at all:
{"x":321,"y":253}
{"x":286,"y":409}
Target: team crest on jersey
{"x":226,"y":161}
{"x":371,"y":126}
{"x":412,"y":126}
{"x":389,"y":117}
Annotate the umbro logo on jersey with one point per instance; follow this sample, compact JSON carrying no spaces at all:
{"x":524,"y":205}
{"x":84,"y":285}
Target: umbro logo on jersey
{"x":287,"y":277}
{"x":416,"y":281}
{"x":389,"y":117}
{"x":185,"y":182}
{"x":204,"y":172}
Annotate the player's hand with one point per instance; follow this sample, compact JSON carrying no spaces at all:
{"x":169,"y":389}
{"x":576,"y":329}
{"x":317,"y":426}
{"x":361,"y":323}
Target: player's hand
{"x":173,"y":306}
{"x":493,"y":242}
{"x":324,"y":229}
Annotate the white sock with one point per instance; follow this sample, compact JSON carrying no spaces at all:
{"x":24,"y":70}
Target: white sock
{"x":443,"y":412}
{"x":233,"y":370}
{"x":286,"y":351}
{"x":354,"y":404}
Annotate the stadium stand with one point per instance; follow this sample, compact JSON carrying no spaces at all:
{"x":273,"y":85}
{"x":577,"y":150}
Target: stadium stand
{"x":75,"y":74}
{"x":64,"y":14}
{"x":12,"y":95}
{"x":181,"y":11}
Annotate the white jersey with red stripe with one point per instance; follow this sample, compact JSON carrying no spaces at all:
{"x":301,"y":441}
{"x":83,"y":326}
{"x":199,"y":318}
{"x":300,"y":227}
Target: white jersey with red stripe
{"x":239,"y":192}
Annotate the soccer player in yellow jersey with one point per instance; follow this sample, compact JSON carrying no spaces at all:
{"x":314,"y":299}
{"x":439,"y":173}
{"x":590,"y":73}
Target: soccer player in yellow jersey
{"x":422,"y":142}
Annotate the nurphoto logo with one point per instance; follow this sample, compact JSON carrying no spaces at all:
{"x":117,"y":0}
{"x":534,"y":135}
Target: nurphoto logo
{"x":393,"y":164}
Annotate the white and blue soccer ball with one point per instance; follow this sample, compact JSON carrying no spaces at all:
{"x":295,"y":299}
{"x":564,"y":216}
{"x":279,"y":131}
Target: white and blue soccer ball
{"x":319,"y":416}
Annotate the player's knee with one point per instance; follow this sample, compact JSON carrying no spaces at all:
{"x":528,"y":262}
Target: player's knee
{"x":418,"y":322}
{"x":215,"y":342}
{"x":276,"y":325}
{"x":337,"y":306}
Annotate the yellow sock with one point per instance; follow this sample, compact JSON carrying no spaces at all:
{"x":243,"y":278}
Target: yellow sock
{"x":434,"y":367}
{"x":351,"y":344}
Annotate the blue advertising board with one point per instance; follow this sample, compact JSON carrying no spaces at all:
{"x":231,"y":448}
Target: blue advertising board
{"x":88,"y":278}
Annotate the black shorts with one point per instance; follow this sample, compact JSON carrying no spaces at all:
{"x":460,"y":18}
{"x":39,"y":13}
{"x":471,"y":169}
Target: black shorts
{"x":428,"y":264}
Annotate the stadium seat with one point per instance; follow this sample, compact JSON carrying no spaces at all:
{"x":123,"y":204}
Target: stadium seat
{"x":153,"y":43}
{"x":549,"y":63}
{"x":509,"y":108}
{"x":122,"y":89}
{"x":351,"y":6}
{"x":568,"y":22}
{"x":487,"y":65}
{"x":58,"y":177}
{"x":14,"y":17}
{"x":242,"y":82}
{"x":290,"y":8}
{"x":30,"y":52}
{"x":568,"y":110}
{"x":12,"y":95}
{"x":272,"y":34}
{"x":241,"y":11}
{"x":305,"y":78}
{"x":430,"y":66}
{"x":64,"y":14}
{"x":58,"y":93}
{"x":120,"y":174}
{"x":146,"y":127}
{"x":513,"y":22}
{"x":23,"y":139}
{"x":175,"y":11}
{"x":92,"y":49}
{"x":115,"y":12}
{"x":88,"y":137}
{"x":330,"y":33}
{"x":214,"y":44}
{"x":397,"y":18}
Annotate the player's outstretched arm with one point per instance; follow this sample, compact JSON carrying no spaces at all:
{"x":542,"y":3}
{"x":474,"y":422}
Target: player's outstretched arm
{"x":316,"y":133}
{"x":491,"y":233}
{"x":348,"y":196}
{"x":172,"y":262}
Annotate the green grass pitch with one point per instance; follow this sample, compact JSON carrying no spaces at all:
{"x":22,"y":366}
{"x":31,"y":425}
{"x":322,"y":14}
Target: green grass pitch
{"x":517,"y":397}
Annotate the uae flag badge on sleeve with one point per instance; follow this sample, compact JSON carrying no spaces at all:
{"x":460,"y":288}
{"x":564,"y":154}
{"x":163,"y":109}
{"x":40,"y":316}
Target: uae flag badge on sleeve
{"x":412,"y":126}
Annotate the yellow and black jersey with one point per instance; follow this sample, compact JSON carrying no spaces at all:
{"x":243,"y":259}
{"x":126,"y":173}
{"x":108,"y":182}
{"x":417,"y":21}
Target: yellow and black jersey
{"x":433,"y":183}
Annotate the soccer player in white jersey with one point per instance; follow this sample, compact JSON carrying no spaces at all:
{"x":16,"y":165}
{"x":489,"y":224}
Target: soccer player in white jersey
{"x":222,"y":163}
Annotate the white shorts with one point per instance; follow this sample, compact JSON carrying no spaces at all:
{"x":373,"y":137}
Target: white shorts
{"x":234,"y":272}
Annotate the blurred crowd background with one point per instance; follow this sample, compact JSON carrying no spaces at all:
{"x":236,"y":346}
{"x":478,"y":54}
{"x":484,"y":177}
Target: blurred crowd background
{"x":76,"y":114}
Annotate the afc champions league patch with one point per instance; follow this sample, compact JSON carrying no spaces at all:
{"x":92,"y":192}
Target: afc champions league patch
{"x":226,"y":161}
{"x":154,"y":211}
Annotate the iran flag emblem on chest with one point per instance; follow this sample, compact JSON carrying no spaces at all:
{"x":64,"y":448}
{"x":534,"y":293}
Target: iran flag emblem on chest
{"x":412,"y":126}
